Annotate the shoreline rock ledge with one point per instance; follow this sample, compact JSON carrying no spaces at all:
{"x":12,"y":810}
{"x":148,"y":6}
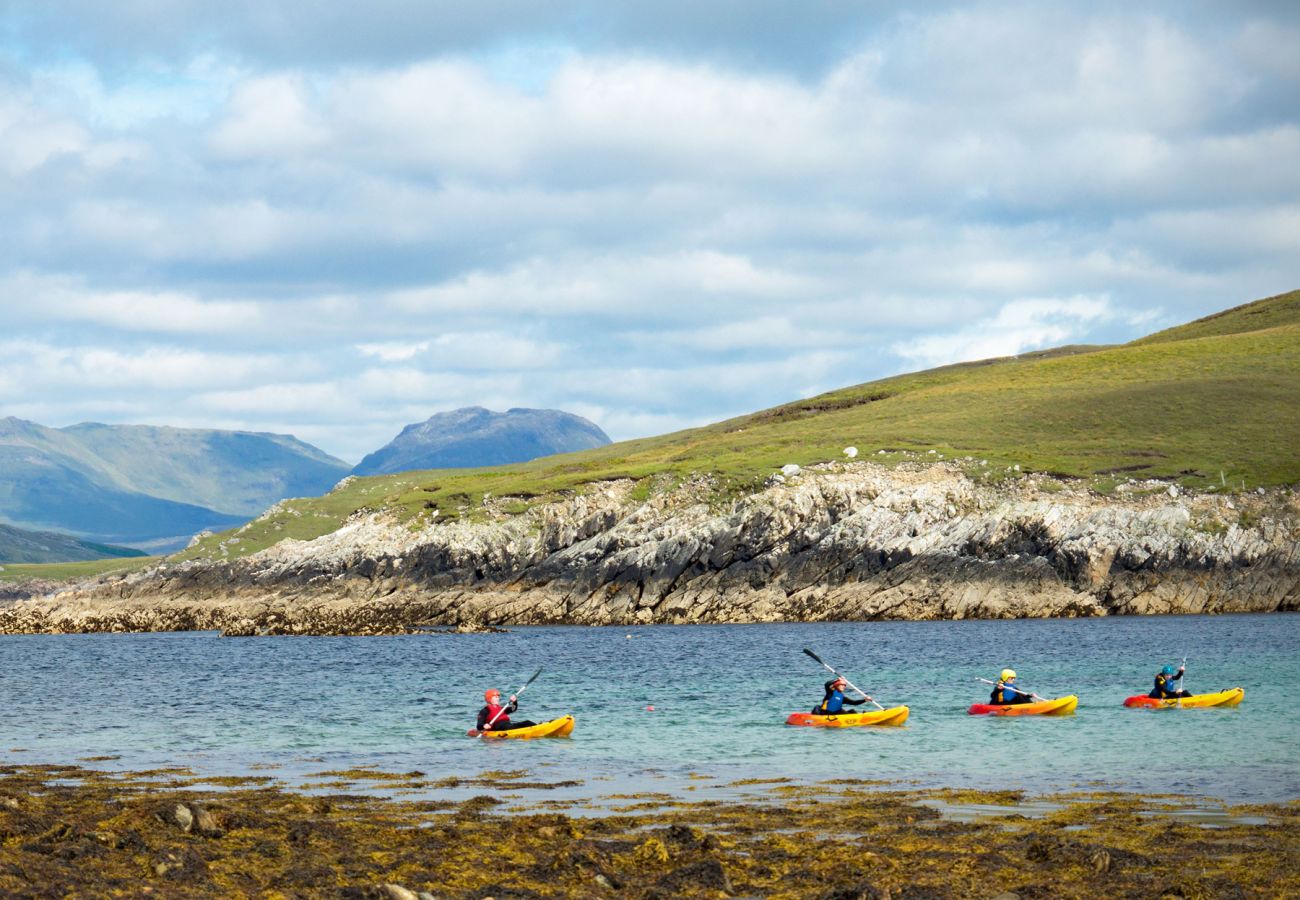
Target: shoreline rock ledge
{"x":848,"y":541}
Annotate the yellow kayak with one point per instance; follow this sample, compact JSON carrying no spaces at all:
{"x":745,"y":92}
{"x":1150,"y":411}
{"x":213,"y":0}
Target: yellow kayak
{"x":560,"y":727}
{"x":1230,"y":697}
{"x":895,"y":715}
{"x":1061,"y":706}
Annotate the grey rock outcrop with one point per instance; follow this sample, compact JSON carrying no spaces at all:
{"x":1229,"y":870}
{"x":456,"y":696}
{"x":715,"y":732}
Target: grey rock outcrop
{"x":848,"y":541}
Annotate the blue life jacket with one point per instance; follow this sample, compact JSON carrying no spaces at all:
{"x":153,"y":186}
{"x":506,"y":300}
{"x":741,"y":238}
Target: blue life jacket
{"x":832,"y":704}
{"x":1003,"y":694}
{"x":1166,"y":686}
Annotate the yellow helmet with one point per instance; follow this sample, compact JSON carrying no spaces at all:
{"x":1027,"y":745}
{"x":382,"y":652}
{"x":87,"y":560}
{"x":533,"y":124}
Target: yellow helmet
{"x":1007,"y":674}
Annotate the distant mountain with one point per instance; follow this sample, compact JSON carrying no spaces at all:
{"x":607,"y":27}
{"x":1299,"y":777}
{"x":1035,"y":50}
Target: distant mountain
{"x":473,"y":437}
{"x":149,"y":486}
{"x":19,"y":546}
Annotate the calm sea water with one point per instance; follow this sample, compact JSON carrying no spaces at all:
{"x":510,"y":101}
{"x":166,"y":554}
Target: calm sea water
{"x":305,"y":705}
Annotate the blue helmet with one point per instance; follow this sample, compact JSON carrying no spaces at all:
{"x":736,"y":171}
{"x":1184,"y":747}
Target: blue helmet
{"x":1168,"y":670}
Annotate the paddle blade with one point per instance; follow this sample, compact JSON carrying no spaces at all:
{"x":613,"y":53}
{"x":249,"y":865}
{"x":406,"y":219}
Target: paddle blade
{"x":815,"y":656}
{"x":534,"y":678}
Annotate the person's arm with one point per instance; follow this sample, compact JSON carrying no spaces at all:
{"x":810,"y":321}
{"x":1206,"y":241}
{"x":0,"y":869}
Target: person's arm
{"x":482,"y":718}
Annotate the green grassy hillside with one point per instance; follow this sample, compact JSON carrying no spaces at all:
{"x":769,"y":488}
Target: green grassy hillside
{"x":1210,"y":405}
{"x":1273,"y":312}
{"x":66,"y":571}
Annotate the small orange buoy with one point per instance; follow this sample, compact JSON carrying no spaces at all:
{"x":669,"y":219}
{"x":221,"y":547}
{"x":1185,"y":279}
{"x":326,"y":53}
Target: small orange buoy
{"x":649,"y":709}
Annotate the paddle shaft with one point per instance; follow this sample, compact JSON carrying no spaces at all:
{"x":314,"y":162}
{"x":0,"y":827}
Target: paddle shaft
{"x":838,"y":675}
{"x":500,"y":711}
{"x":1014,"y":688}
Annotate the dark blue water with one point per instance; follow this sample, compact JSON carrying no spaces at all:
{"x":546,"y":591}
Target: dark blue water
{"x":721,"y":693}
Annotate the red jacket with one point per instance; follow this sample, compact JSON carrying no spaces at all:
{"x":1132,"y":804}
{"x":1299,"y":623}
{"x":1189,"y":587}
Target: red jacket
{"x":486,"y":713}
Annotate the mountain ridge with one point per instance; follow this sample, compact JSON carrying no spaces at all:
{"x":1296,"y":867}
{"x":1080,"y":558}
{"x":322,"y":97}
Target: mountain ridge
{"x":474,"y":437}
{"x":149,"y":485}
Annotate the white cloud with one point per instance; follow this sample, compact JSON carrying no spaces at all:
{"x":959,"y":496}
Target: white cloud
{"x":468,"y":350}
{"x":283,"y":399}
{"x":393,"y":351}
{"x":1018,"y":326}
{"x":608,"y":285}
{"x":339,"y":247}
{"x":30,"y":138}
{"x":762,"y":333}
{"x":38,"y":367}
{"x":164,"y":311}
{"x":269,"y":116}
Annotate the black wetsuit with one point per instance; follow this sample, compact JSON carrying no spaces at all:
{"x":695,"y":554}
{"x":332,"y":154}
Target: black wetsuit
{"x":503,"y":722}
{"x":1006,"y":695}
{"x":1167,"y":687}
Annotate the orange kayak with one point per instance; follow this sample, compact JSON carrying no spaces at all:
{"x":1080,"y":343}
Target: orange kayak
{"x":1230,"y":697}
{"x":895,"y":715}
{"x":1061,"y":706}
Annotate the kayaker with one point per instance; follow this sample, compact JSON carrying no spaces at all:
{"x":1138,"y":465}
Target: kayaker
{"x":502,"y":722}
{"x":1168,"y":685}
{"x":1005,"y":693}
{"x":835,"y":700}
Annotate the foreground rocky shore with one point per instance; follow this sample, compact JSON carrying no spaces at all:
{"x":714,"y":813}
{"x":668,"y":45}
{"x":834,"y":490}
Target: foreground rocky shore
{"x":75,"y":832}
{"x":849,"y":541}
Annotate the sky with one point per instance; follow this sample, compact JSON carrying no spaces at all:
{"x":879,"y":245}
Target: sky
{"x":333,"y":220}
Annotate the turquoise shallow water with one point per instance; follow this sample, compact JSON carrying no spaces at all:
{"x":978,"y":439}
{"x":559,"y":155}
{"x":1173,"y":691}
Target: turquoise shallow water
{"x":305,"y":705}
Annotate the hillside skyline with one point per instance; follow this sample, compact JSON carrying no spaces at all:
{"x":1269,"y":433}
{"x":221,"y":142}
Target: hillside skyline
{"x":973,"y":353}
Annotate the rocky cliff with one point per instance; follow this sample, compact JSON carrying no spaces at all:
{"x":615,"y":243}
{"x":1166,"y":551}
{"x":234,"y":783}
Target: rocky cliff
{"x":850,"y":541}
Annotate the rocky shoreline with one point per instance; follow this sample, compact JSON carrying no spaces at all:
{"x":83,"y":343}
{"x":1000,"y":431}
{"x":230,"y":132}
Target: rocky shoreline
{"x":70,"y":831}
{"x":849,"y":541}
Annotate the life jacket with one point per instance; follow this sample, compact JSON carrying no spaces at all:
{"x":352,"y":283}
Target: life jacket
{"x":1166,"y":686}
{"x":492,"y":710}
{"x":1003,"y":694}
{"x":832,"y":704}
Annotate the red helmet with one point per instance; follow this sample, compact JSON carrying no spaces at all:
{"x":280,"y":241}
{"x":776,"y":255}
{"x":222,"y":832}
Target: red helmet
{"x":491,"y":693}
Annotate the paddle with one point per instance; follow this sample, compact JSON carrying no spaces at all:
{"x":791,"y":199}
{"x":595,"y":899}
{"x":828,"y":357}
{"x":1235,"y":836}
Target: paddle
{"x":1014,"y":688}
{"x":474,"y":732}
{"x":838,"y":675}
